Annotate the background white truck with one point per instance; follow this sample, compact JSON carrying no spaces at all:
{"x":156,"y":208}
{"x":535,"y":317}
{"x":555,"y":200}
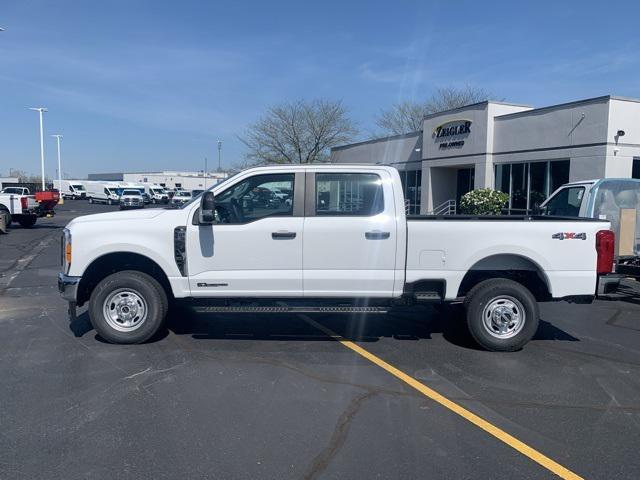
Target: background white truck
{"x":616,"y":200}
{"x":344,"y":244}
{"x":19,"y":208}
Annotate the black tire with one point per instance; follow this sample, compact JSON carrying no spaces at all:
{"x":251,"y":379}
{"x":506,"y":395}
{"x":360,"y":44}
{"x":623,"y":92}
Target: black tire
{"x":512,"y":305}
{"x":28,"y":222}
{"x":149,"y":293}
{"x":5,"y":211}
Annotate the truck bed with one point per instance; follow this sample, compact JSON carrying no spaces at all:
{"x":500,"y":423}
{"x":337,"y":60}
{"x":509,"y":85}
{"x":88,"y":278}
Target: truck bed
{"x":501,"y":218}
{"x":561,"y":250}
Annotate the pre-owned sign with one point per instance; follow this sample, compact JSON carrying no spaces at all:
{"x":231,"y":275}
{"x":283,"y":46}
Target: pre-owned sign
{"x":452,"y":129}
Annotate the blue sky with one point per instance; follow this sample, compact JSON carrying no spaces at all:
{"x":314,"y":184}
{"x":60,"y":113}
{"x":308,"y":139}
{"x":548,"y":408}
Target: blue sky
{"x":147,"y":85}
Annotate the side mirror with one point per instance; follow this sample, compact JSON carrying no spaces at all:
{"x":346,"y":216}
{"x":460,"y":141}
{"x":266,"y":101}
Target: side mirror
{"x":207,"y":213}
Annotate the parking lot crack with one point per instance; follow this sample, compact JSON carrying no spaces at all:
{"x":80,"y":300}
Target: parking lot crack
{"x":338,"y":438}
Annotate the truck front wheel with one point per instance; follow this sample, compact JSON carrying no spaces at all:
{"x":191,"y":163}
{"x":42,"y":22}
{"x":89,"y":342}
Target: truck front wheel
{"x":502,"y":315}
{"x":128,"y":307}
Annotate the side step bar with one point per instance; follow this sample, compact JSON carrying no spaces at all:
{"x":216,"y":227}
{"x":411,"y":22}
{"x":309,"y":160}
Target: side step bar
{"x":288,"y":309}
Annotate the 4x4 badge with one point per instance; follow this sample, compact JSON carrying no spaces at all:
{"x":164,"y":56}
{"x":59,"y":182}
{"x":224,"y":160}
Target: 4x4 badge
{"x":569,"y":236}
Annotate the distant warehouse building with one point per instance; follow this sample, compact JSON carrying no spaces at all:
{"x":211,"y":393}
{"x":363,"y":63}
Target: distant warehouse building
{"x":167,"y":179}
{"x":523,"y":151}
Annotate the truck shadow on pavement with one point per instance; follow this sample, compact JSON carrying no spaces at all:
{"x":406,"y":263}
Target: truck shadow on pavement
{"x":400,"y":326}
{"x":403,"y":326}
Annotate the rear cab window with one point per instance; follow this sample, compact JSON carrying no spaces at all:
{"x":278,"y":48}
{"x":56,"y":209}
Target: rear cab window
{"x":348,"y":194}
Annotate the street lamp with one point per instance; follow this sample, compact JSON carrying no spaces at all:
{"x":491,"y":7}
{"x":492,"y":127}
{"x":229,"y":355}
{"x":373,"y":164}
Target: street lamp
{"x":58,"y":137}
{"x":41,"y":110}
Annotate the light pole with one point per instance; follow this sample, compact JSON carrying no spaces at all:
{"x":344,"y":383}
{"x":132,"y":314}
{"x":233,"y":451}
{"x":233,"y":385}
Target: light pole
{"x":205,"y":173}
{"x":219,"y":155}
{"x":61,"y":201}
{"x":41,"y":110}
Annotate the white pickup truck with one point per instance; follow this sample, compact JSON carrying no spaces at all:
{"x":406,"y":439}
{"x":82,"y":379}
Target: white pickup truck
{"x":19,"y":206}
{"x":342,"y":244}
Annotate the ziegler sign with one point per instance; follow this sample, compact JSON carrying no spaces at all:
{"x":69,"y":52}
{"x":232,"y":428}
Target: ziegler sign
{"x":452,"y":129}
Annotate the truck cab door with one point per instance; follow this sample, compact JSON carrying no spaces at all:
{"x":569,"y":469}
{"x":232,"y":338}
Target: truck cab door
{"x":350,"y":236}
{"x":254,"y":248}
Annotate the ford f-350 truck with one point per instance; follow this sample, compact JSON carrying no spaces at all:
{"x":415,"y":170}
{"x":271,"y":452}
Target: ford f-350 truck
{"x":341,"y":243}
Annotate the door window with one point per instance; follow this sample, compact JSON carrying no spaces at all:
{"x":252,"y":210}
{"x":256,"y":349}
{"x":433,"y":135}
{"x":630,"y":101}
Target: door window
{"x":256,"y":197}
{"x":349,"y":194}
{"x":566,"y":203}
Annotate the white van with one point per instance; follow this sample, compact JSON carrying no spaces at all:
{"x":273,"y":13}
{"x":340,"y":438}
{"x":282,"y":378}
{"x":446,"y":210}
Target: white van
{"x":104,"y":192}
{"x":74,"y":189}
{"x":156,"y":193}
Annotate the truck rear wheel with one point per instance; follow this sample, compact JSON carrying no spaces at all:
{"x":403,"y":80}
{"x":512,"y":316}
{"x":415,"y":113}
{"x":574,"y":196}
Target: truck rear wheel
{"x":502,"y":315}
{"x":128,"y":307}
{"x":27,"y":221}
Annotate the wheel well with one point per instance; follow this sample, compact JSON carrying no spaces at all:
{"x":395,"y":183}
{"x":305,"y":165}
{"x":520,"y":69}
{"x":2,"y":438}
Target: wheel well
{"x":117,"y":262}
{"x":513,"y":267}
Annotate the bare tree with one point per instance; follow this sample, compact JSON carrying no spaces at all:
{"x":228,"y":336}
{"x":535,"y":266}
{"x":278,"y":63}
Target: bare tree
{"x":407,"y":116}
{"x":298,"y":132}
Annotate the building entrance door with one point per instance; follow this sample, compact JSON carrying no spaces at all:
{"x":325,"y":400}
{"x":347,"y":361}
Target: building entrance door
{"x":465,"y":182}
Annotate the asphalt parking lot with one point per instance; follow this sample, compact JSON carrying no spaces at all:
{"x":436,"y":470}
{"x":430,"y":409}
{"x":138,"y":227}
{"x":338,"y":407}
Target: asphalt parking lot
{"x":246,"y":396}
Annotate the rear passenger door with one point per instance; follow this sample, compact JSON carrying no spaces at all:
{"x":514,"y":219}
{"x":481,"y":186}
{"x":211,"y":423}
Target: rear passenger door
{"x":349,"y":234}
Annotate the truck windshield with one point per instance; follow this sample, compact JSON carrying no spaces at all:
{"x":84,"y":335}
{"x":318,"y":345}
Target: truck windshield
{"x":13,"y":190}
{"x":565,"y":203}
{"x":130,"y":192}
{"x":79,"y":187}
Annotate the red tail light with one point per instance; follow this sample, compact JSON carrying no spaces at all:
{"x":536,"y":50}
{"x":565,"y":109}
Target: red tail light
{"x":24,"y":203}
{"x":605,"y":246}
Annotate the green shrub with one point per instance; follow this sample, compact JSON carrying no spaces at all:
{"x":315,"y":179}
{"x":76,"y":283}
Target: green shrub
{"x":483,"y":201}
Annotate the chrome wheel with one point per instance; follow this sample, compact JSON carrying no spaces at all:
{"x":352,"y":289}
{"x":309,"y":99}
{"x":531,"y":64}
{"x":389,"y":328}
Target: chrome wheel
{"x":503,"y":317}
{"x":125,"y":310}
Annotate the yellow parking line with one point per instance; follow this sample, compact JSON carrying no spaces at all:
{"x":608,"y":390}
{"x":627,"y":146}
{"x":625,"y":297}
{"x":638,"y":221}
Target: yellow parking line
{"x":498,"y":433}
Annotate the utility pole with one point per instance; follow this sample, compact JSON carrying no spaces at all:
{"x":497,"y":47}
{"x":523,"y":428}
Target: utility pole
{"x":41,"y":110}
{"x":205,"y":173}
{"x":61,"y":201}
{"x":219,"y":155}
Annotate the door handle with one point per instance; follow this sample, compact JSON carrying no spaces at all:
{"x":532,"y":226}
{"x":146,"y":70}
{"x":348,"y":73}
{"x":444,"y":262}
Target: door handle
{"x":377,"y":235}
{"x":283,"y":235}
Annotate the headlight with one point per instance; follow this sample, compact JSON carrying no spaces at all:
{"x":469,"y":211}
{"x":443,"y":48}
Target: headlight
{"x":66,"y":250}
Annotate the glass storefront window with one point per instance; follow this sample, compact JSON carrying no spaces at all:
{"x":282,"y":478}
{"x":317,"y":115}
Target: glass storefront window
{"x":538,"y":173}
{"x":503,"y":175}
{"x":529,"y":184}
{"x":559,"y":174}
{"x":412,"y":188}
{"x":519,"y":187}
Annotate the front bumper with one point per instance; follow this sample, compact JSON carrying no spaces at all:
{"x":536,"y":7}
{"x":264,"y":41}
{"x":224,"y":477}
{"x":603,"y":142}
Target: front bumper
{"x":68,"y":286}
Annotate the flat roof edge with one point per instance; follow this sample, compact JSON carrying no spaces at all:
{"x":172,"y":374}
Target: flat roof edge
{"x":484,"y":102}
{"x":567,"y":104}
{"x":417,"y":133}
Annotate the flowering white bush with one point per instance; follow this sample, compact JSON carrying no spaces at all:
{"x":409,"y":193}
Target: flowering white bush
{"x":483,"y":201}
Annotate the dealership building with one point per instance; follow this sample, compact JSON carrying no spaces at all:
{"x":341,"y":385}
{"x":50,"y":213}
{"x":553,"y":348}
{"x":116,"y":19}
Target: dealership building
{"x":524,"y":151}
{"x":168,"y":179}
